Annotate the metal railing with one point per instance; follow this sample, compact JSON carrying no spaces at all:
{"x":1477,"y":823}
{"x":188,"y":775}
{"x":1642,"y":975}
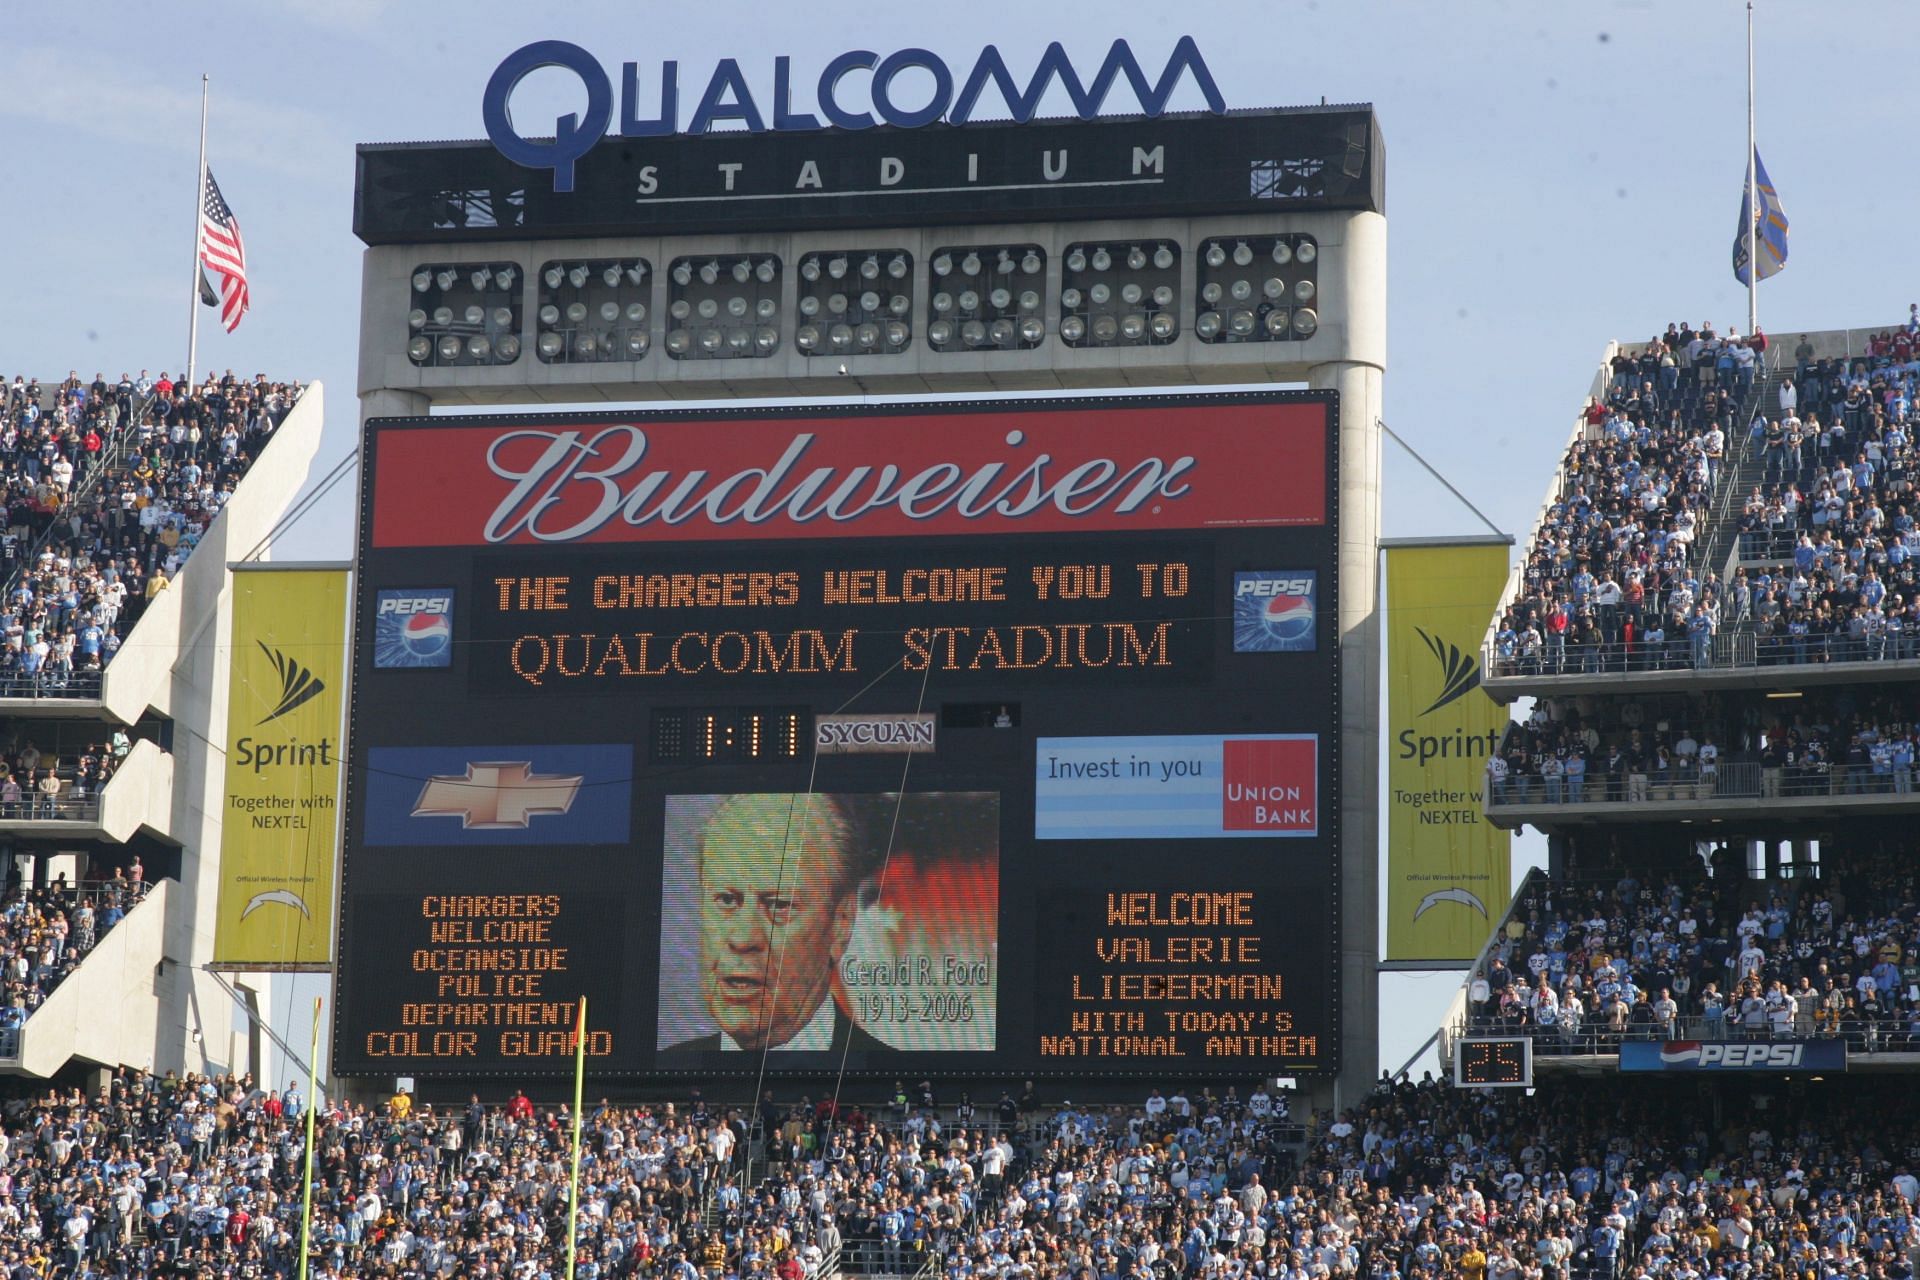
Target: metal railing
{"x":1768,"y":546}
{"x":1715,"y":650}
{"x":1734,"y":780}
{"x":82,"y":682}
{"x":1864,"y":1033}
{"x":871,"y":1256}
{"x":1727,"y":477}
{"x":1738,"y":647}
{"x":62,"y":807}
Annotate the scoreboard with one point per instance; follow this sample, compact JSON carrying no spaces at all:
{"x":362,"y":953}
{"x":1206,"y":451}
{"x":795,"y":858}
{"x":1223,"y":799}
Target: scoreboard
{"x":962,"y":738}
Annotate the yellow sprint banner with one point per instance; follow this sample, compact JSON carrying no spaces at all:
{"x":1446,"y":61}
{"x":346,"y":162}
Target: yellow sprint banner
{"x":286,"y":688}
{"x":1447,"y":867}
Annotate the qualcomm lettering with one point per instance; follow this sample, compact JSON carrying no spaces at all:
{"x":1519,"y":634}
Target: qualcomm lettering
{"x":728,"y":98}
{"x":573,"y":485}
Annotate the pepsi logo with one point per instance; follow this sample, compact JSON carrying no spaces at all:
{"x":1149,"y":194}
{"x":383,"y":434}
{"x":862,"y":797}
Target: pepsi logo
{"x":395,"y":605}
{"x":1290,"y":617}
{"x":1680,"y":1053}
{"x":413,"y":628}
{"x":1274,"y":612}
{"x":427,"y":635}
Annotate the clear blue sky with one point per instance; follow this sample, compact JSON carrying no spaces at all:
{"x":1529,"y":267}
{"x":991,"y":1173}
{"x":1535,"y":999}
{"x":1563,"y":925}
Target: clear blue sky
{"x":1557,"y":175}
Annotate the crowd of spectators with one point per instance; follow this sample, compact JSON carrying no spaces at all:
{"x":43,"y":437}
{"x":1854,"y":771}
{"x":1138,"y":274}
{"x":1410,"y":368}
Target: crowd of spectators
{"x":108,"y":487}
{"x":201,"y":1177}
{"x":46,"y":784}
{"x":1847,"y":741}
{"x":1832,"y":521}
{"x":1583,"y":964}
{"x":46,"y":933}
{"x":1613,"y":576}
{"x":195,"y":1176}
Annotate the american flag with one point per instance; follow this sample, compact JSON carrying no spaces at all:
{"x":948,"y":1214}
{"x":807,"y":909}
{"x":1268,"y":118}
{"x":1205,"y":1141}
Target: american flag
{"x":222,"y":253}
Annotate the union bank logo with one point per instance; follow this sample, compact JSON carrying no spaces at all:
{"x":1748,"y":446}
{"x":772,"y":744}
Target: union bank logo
{"x":1459,"y":672}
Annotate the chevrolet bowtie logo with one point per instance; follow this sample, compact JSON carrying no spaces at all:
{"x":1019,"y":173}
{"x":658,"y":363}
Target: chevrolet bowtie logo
{"x":497,"y":797}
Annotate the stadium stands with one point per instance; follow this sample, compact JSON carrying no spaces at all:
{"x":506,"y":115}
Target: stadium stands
{"x":1830,"y":742}
{"x":1801,"y":545}
{"x":200,"y":1177}
{"x":1614,"y":556}
{"x":108,"y":489}
{"x":46,"y":933}
{"x":1583,"y":963}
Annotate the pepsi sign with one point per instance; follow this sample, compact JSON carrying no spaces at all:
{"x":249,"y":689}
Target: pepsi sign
{"x":413,"y":628}
{"x":1273,"y":611}
{"x":1734,"y":1055}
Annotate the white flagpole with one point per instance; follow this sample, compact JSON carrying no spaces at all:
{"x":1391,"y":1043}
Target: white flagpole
{"x":1753,"y":194}
{"x":199,"y":204}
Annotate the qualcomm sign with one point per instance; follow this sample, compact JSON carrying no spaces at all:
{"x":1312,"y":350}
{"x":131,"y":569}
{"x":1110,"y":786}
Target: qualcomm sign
{"x":727,"y":97}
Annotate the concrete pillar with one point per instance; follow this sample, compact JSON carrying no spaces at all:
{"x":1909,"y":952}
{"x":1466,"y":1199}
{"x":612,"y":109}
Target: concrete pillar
{"x":1359,"y":386}
{"x":1358,"y":378}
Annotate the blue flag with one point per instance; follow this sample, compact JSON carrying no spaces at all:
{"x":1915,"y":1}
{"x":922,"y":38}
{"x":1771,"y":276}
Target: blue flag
{"x":1770,"y":228}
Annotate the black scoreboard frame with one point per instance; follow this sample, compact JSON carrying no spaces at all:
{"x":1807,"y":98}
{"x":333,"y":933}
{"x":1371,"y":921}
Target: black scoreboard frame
{"x":988,"y":758}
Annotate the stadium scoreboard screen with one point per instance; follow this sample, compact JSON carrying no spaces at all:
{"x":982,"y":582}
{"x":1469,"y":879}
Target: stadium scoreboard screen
{"x":964,"y":738}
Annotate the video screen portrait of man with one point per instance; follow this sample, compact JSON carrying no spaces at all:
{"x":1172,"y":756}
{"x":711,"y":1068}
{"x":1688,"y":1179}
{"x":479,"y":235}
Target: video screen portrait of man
{"x":777,"y":880}
{"x":842,"y":923}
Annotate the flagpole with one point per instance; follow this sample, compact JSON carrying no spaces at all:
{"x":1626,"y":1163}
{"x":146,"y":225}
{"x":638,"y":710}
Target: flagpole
{"x":193,"y":292}
{"x":1753,"y":194}
{"x":313,"y":1105}
{"x":573,"y":1184}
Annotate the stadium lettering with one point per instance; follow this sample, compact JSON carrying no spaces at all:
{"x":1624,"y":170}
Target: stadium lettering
{"x":506,"y":960}
{"x":1458,"y":745}
{"x":502,"y":905}
{"x":690,"y":590}
{"x":1111,"y":1046}
{"x":874,"y":733}
{"x":916,"y":586}
{"x":1184,"y":986}
{"x":1062,"y":647}
{"x":728,"y":100}
{"x":251,"y":753}
{"x":548,"y":1044}
{"x":1263,"y":1046}
{"x":1198,"y":910}
{"x":568,"y":486}
{"x":538,"y":659}
{"x":1179,"y":950}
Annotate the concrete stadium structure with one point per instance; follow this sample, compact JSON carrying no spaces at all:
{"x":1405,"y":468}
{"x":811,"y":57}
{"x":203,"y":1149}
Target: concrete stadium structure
{"x":143,"y":997}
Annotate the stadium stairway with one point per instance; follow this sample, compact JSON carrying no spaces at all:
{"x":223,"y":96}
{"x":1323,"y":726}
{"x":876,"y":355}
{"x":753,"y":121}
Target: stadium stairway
{"x":104,"y":1013}
{"x":1720,"y":547}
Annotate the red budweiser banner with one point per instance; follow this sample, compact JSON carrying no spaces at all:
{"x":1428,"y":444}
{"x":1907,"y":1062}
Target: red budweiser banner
{"x":1002,"y":471}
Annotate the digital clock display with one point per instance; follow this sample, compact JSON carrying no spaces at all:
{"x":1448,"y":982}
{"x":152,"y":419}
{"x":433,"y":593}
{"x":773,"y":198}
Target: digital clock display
{"x":1493,"y":1062}
{"x":727,"y":735}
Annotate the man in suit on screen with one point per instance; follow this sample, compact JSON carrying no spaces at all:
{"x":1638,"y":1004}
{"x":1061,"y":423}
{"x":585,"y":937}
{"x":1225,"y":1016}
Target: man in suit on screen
{"x":778,"y":893}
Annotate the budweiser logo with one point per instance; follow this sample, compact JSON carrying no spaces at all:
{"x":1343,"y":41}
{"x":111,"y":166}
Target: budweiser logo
{"x":568,"y":485}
